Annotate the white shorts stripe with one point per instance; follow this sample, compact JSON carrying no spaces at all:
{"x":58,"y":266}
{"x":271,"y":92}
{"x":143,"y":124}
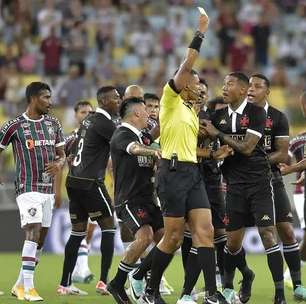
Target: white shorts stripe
{"x":132,"y":216}
{"x":106,"y":202}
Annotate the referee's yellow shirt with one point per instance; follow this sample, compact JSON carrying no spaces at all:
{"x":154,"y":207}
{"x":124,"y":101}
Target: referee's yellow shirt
{"x":179,"y":126}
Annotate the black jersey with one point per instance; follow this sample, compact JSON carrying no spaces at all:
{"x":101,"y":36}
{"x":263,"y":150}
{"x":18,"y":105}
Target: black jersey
{"x":210,"y":169}
{"x":92,"y":147}
{"x":132,"y":174}
{"x":240,"y":168}
{"x":276,"y":126}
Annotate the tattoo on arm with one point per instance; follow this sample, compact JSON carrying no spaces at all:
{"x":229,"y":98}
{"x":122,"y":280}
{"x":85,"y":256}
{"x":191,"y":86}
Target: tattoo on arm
{"x":281,"y":153}
{"x":140,"y":149}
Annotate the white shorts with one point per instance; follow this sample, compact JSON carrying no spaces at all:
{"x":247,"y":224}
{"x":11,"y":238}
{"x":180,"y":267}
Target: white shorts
{"x":35,"y":207}
{"x":299,"y":207}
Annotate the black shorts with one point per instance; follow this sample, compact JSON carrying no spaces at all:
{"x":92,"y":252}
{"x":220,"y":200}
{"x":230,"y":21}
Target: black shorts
{"x":249,"y":204}
{"x":94,"y":202}
{"x":217,"y":204}
{"x":182,"y":190}
{"x":283,"y":211}
{"x":136,"y":214}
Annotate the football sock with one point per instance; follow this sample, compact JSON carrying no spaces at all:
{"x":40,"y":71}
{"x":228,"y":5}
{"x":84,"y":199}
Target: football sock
{"x":28,"y":264}
{"x":71,"y":255}
{"x":207,"y":262}
{"x":121,"y":275}
{"x":185,"y":248}
{"x":275,"y":262}
{"x":107,"y":252}
{"x":160,"y":262}
{"x":293,"y":260}
{"x":192,"y":272}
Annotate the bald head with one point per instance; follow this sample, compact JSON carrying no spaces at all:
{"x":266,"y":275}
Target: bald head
{"x":133,"y":91}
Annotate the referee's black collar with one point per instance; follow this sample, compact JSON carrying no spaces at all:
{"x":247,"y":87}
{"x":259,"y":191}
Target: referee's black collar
{"x":101,"y":111}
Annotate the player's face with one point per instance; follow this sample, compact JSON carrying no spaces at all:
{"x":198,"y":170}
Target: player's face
{"x":113,"y":101}
{"x":43,"y":102}
{"x":142,"y":115}
{"x":258,"y":90}
{"x":232,"y":89}
{"x":152,"y":107}
{"x":82,"y":112}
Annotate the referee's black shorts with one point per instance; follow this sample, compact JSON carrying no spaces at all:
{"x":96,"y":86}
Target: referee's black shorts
{"x":91,"y":202}
{"x":181,"y":190}
{"x":250,"y":204}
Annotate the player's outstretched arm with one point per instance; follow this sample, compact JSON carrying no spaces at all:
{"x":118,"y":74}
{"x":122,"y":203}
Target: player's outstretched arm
{"x":143,"y":150}
{"x":298,"y":167}
{"x":182,"y":76}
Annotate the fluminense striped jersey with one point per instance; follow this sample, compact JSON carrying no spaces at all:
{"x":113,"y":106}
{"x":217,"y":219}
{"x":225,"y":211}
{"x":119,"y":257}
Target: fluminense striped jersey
{"x":34,"y":143}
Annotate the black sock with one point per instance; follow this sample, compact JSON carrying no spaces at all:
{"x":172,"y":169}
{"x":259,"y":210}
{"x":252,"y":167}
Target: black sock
{"x":207,"y":263}
{"x":293,"y":260}
{"x":71,"y":255}
{"x":276,"y":264}
{"x":121,"y":275}
{"x":107,"y":251}
{"x":145,"y":265}
{"x":159,"y":264}
{"x":242,"y":263}
{"x":185,"y":248}
{"x":220,"y":242}
{"x":192,"y":272}
{"x":230,"y":264}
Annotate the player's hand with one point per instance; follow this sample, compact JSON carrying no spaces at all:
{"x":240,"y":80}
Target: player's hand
{"x":203,"y":22}
{"x":284,"y":168}
{"x":158,"y":154}
{"x":209,"y":128}
{"x":300,"y":180}
{"x":53,"y":168}
{"x":58,"y":200}
{"x":223,"y":152}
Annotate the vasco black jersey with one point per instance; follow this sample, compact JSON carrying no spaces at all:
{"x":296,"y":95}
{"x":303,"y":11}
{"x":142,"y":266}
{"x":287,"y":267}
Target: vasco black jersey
{"x":276,"y":126}
{"x":132,"y":174}
{"x":240,"y":168}
{"x":210,"y":169}
{"x":92,"y":147}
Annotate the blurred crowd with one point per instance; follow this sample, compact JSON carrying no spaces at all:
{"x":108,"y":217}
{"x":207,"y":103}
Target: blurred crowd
{"x":78,"y":45}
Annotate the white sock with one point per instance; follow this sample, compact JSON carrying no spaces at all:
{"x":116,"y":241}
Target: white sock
{"x":287,"y":275}
{"x":28,"y":264}
{"x":82,"y":261}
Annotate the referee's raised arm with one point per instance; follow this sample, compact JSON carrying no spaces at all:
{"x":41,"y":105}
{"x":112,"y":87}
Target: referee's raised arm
{"x":183,"y":75}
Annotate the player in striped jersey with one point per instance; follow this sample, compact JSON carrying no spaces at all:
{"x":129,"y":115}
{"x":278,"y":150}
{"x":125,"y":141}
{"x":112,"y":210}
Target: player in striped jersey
{"x":38,"y":143}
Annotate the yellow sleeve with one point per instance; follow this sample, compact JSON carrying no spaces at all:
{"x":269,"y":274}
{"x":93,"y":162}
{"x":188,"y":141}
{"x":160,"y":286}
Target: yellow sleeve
{"x":170,"y":98}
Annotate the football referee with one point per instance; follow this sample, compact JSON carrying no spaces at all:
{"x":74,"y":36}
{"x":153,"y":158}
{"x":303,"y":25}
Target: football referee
{"x":179,"y":184}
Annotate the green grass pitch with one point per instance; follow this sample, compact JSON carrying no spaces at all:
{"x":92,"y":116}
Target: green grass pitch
{"x":49,"y":271}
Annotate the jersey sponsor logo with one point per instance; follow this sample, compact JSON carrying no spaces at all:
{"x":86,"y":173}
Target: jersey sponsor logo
{"x":244,"y":121}
{"x":269,"y":123}
{"x":30,"y":143}
{"x":239,"y":137}
{"x":32,"y":211}
{"x":145,"y":161}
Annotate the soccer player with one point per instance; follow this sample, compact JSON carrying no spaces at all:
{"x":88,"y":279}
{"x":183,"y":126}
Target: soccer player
{"x":249,"y":194}
{"x":81,"y":272}
{"x":86,"y":190}
{"x":152,"y":107}
{"x":180,"y":187}
{"x":135,"y":204}
{"x":38,"y":147}
{"x":276,"y":136}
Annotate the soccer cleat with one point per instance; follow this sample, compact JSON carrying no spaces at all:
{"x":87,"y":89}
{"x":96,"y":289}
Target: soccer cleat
{"x":118,"y":294}
{"x":18,"y":292}
{"x":70,"y":290}
{"x":101,"y":288}
{"x":137,"y":287}
{"x":32,"y":296}
{"x":186,"y":299}
{"x":300,"y":293}
{"x":216,"y":298}
{"x":246,"y":288}
{"x":229,"y":295}
{"x":279,"y":301}
{"x":147,"y":299}
{"x":85,"y":277}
